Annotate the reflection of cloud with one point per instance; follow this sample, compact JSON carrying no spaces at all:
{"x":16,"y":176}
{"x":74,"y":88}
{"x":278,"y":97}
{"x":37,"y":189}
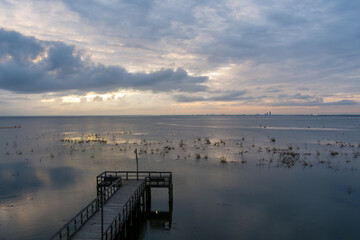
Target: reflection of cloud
{"x":43,"y":177}
{"x":23,"y":177}
{"x":17,"y":177}
{"x":53,"y":204}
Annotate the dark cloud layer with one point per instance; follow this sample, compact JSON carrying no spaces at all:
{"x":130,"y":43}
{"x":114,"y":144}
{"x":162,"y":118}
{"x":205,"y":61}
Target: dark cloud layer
{"x":28,"y":65}
{"x":296,"y":100}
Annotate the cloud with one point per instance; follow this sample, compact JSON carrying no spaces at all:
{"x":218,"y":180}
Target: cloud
{"x":223,"y":97}
{"x":28,"y":65}
{"x":313,"y":103}
{"x":341,"y":103}
{"x":183,"y":98}
{"x":97,"y":99}
{"x":137,"y":22}
{"x":301,"y":42}
{"x":285,"y":53}
{"x":292,"y":30}
{"x":297,"y":96}
{"x":273,"y":90}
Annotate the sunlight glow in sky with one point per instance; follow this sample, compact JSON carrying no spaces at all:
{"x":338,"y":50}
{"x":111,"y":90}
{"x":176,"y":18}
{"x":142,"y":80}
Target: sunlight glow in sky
{"x":92,"y":57}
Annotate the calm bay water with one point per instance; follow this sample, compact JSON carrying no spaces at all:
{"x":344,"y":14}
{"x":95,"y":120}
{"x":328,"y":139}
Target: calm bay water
{"x":235,"y":177}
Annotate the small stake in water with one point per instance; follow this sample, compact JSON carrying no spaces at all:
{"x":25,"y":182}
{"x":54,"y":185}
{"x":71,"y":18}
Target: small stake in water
{"x":137,"y":165}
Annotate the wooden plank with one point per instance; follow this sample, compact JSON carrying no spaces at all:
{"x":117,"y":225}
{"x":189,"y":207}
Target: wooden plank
{"x":92,"y":228}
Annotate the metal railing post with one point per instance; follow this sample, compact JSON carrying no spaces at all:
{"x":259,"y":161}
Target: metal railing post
{"x":102,"y":214}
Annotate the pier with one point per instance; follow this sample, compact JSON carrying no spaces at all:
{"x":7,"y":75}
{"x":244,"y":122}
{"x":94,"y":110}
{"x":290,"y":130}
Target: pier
{"x":121,"y":197}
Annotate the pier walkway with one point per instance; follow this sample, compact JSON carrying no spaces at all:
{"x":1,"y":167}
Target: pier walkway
{"x":124,"y":194}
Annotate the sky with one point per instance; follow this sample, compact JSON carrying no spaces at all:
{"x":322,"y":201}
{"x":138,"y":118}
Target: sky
{"x":147,"y":57}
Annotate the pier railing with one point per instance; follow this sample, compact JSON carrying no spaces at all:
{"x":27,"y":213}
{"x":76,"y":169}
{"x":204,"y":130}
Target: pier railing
{"x":70,"y":228}
{"x":152,"y":178}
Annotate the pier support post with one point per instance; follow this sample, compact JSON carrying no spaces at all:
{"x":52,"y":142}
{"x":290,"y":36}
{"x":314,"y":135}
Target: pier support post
{"x":170,"y":197}
{"x":148,"y":199}
{"x":125,"y":229}
{"x":143,"y":201}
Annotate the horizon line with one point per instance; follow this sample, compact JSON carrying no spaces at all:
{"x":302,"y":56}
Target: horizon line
{"x":168,"y":115}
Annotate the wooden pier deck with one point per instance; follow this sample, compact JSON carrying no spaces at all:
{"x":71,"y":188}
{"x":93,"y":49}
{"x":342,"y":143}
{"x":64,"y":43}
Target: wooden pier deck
{"x":92,"y":229}
{"x":124,"y":194}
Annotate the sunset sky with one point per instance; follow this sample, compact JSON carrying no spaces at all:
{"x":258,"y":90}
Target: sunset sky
{"x":98,"y":57}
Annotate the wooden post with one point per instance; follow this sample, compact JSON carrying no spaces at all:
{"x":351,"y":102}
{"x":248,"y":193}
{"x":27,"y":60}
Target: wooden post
{"x":137,"y":165}
{"x":143,"y":201}
{"x":148,"y":198}
{"x":170,"y":197}
{"x":132,"y":211}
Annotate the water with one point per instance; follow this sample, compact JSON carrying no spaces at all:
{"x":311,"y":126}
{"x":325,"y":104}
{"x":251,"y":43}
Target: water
{"x":250,"y":177}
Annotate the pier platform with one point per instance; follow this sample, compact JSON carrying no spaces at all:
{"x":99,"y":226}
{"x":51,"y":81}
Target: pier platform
{"x":121,"y":197}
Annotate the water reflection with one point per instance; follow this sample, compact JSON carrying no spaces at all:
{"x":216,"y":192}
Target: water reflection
{"x":160,"y":220}
{"x":150,"y":222}
{"x":45,"y":181}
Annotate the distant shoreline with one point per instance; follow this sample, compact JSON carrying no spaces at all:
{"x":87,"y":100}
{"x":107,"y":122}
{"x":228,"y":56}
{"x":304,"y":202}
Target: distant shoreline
{"x":10,"y":127}
{"x":190,"y":115}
